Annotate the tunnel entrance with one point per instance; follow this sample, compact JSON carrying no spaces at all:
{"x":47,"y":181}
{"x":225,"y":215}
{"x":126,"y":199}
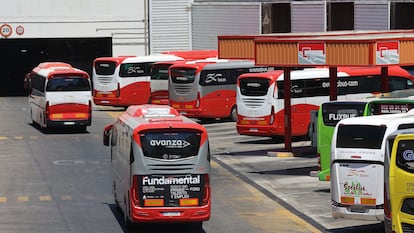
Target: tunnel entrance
{"x":21,"y":55}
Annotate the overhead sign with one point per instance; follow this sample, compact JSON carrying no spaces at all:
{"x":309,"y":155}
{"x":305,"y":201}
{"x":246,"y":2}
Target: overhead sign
{"x":6,"y":30}
{"x":311,"y":53}
{"x":387,"y":53}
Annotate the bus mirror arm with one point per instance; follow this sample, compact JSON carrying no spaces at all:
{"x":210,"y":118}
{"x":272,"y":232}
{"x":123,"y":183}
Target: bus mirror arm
{"x":107,"y":134}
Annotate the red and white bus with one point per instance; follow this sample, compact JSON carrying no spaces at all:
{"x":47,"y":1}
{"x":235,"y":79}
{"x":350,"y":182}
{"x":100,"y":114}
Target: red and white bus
{"x":126,"y":80}
{"x":207,"y":89}
{"x":260,"y":98}
{"x":160,"y":76}
{"x":59,"y":96}
{"x":160,"y":163}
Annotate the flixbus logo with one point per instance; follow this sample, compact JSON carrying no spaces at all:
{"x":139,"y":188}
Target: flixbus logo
{"x":170,"y":143}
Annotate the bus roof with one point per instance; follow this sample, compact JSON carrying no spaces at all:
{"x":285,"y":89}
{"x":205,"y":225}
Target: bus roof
{"x":117,"y":60}
{"x":324,"y":72}
{"x":147,"y":116}
{"x":47,"y":65}
{"x":193,"y":54}
{"x":215,"y":64}
{"x":152,"y":58}
{"x":190,"y":61}
{"x":52,"y":69}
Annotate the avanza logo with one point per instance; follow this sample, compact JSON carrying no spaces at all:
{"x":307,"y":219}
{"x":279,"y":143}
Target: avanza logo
{"x":170,"y":143}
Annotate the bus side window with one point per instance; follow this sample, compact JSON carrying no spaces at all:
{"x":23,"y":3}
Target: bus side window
{"x":399,"y":83}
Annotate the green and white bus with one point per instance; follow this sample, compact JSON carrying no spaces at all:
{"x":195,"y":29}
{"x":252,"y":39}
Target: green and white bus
{"x":330,"y":113}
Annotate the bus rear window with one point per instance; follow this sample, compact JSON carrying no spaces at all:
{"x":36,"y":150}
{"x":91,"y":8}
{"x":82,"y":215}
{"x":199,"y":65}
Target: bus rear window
{"x":405,"y":155}
{"x":171,"y":145}
{"x":105,"y":68}
{"x":254,"y":87}
{"x":360,"y":136}
{"x":332,"y":113}
{"x":182,"y":75}
{"x":68,"y":83}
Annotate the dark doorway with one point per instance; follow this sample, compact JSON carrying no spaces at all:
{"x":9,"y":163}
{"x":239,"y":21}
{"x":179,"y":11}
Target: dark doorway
{"x":281,"y":18}
{"x":21,"y":55}
{"x":402,"y":16}
{"x":340,"y":16}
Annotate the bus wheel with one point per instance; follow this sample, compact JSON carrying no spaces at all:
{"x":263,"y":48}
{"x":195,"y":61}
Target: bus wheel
{"x":127,"y":221}
{"x":233,"y":114}
{"x":196,"y":226}
{"x":31,"y":117}
{"x":118,"y":207}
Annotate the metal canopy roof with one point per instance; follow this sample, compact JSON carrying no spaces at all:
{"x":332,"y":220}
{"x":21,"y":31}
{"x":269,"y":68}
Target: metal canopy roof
{"x":334,"y":48}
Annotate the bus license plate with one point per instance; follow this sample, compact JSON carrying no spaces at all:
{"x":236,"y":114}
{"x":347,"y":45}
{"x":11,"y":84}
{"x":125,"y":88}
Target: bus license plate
{"x":69,"y":123}
{"x":171,"y":214}
{"x":183,"y":112}
{"x":254,"y":130}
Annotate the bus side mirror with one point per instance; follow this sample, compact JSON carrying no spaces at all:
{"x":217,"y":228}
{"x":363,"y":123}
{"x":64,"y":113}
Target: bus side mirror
{"x":107,"y":134}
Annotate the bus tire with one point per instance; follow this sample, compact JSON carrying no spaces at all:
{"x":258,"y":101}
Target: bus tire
{"x":127,"y":221}
{"x":233,"y":114}
{"x":196,"y":226}
{"x":118,"y":207}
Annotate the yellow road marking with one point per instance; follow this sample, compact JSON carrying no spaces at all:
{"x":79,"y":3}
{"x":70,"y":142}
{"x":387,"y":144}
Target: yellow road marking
{"x":23,"y":198}
{"x":3,"y":199}
{"x":66,"y":198}
{"x":18,"y":137}
{"x":3,"y":138}
{"x":45,"y":198}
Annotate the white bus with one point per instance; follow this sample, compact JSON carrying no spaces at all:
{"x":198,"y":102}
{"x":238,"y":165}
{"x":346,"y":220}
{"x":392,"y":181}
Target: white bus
{"x":260,"y":96}
{"x":357,"y":164}
{"x":59,"y":96}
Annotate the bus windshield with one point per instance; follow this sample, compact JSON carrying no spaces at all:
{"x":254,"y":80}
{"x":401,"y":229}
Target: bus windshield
{"x":183,"y":75}
{"x":360,"y":136}
{"x":68,"y":83}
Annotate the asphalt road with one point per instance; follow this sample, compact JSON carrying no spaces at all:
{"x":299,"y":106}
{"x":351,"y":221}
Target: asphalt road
{"x":60,"y":182}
